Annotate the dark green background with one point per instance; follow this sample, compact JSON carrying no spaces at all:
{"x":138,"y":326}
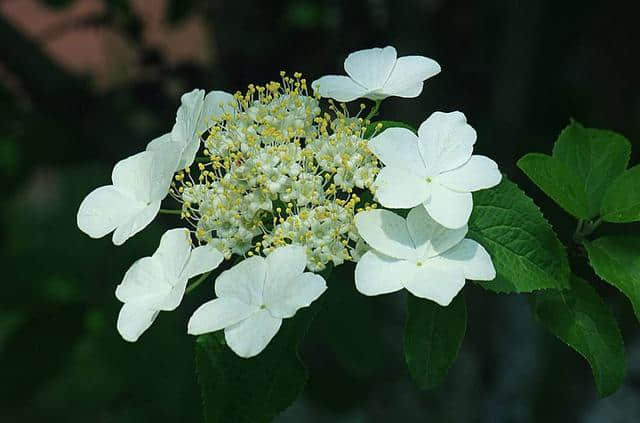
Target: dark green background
{"x":518,"y":69}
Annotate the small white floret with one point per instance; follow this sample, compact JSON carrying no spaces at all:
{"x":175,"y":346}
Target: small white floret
{"x":376,"y":74}
{"x":254,"y":296}
{"x":436,"y":168}
{"x":418,"y":254}
{"x":157,"y":283}
{"x":140,"y":182}
{"x":193,"y":118}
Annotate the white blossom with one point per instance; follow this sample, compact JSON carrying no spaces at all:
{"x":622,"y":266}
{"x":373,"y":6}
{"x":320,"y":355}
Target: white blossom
{"x":276,"y":172}
{"x":140,"y":182}
{"x":418,"y":254}
{"x":254,"y":296}
{"x":194,"y":116}
{"x":376,"y":74}
{"x":435,"y":168}
{"x":157,"y":283}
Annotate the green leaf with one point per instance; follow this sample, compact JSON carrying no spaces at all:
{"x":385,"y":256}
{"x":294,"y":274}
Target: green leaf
{"x":253,"y":390}
{"x":621,"y":202}
{"x":616,"y":259}
{"x":579,"y":318}
{"x":524,"y":249}
{"x":351,"y":327}
{"x":432,"y":337}
{"x":372,"y":128}
{"x":557,"y":181}
{"x":597,"y":157}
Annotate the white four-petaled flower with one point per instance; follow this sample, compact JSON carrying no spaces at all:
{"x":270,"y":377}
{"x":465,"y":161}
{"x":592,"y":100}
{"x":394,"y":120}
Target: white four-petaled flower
{"x":435,"y":168}
{"x":140,"y":182}
{"x":378,"y":73}
{"x":254,"y":296}
{"x":193,"y":118}
{"x":157,"y":283}
{"x":418,"y":254}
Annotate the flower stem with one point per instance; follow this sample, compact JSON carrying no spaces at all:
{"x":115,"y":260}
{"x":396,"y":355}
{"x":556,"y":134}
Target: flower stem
{"x":195,"y":284}
{"x":167,"y":211}
{"x":374,"y":111}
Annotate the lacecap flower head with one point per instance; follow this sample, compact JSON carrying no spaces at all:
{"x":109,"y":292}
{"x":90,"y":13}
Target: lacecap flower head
{"x":269,"y":179}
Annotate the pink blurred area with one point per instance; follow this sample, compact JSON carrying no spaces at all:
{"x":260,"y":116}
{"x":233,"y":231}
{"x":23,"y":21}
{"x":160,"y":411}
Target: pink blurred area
{"x":102,"y":51}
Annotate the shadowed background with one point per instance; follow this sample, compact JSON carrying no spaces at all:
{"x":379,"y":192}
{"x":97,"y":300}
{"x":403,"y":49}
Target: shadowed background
{"x":86,"y":83}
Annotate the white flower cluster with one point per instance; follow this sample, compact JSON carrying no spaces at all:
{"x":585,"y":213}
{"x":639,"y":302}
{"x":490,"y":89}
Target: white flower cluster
{"x":276,"y":172}
{"x":280,"y":183}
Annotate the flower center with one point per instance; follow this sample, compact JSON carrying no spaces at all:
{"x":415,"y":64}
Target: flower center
{"x":278,"y":171}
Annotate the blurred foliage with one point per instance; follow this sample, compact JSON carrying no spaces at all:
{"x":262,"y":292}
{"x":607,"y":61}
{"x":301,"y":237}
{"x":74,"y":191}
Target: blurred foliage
{"x":518,"y":70}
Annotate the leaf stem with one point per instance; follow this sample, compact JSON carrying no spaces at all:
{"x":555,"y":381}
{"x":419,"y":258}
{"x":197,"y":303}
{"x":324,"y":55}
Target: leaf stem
{"x":591,"y":226}
{"x":578,"y":232}
{"x":195,"y":284}
{"x":584,"y":229}
{"x":167,"y":211}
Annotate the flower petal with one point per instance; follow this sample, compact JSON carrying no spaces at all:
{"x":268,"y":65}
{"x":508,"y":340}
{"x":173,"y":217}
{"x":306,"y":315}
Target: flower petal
{"x":408,"y":73}
{"x":446,"y":141}
{"x":397,"y":188}
{"x":161,"y":142}
{"x":398,"y":147}
{"x":173,"y":251}
{"x":218,"y":314}
{"x":249,"y":337}
{"x":133,"y":175}
{"x":411,"y":91}
{"x":174,"y":297}
{"x":216,"y":103}
{"x":134,"y":320}
{"x":283,"y":299}
{"x":379,"y":274}
{"x":386,"y":232}
{"x":184,"y":130}
{"x":145,"y":284}
{"x":437,"y":281}
{"x":104,"y":209}
{"x":202,"y":259}
{"x":478,"y":173}
{"x":170,"y":153}
{"x":136,"y":223}
{"x":339,"y":87}
{"x":188,"y":116}
{"x":284,"y":264}
{"x":449,"y":208}
{"x":371,"y":67}
{"x":244,"y":281}
{"x":189,"y":153}
{"x":165,"y":162}
{"x":429,"y":237}
{"x":474,"y":260}
{"x":147,"y":175}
